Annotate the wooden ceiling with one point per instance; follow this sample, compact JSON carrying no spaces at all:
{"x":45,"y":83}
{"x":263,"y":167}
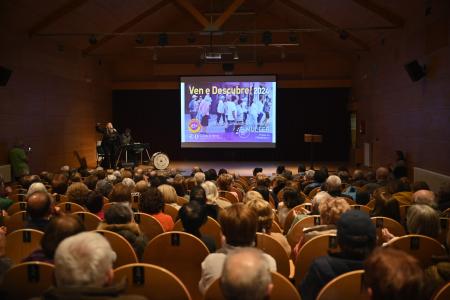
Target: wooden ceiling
{"x":108,"y":29}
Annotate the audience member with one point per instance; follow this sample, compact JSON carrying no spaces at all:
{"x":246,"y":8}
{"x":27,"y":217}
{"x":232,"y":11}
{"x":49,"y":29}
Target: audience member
{"x":193,"y":215}
{"x":246,"y":275}
{"x":199,"y":178}
{"x":265,"y":220}
{"x":120,"y":193}
{"x":77,"y":192}
{"x":152,"y":203}
{"x":39,"y":210}
{"x":119,"y":219}
{"x":104,"y":187}
{"x":91,"y":181}
{"x":239,"y":224}
{"x":94,"y":204}
{"x":169,"y":195}
{"x":212,"y":194}
{"x":198,"y":194}
{"x":425,"y":197}
{"x":59,"y":228}
{"x":385,"y":205}
{"x":356,"y":237}
{"x":319,"y":179}
{"x":83,"y":270}
{"x":393,"y":274}
{"x":5,"y":202}
{"x":291,"y":198}
{"x":36,"y":187}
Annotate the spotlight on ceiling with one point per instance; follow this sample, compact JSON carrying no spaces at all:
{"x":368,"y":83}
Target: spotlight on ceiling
{"x":92,"y":40}
{"x":163,"y":39}
{"x":243,"y":37}
{"x":140,"y":39}
{"x":343,"y":35}
{"x":293,"y":38}
{"x":266,"y":38}
{"x":191,"y":38}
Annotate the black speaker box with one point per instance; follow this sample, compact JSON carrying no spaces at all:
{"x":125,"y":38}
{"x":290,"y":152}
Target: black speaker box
{"x":228,"y":67}
{"x":415,"y":70}
{"x":4,"y":75}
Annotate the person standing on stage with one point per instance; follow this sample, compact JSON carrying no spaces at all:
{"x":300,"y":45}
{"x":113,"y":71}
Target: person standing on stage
{"x":110,"y":142}
{"x":193,"y":107}
{"x":220,"y":110}
{"x":203,"y":112}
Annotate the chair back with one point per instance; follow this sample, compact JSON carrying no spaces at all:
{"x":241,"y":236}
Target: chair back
{"x":27,"y":280}
{"x":229,"y":196}
{"x":346,"y":286}
{"x":283,"y":289}
{"x":317,"y":246}
{"x":70,"y":207}
{"x":148,"y":224}
{"x":20,"y":243}
{"x":443,"y":293}
{"x":182,"y":254}
{"x":291,"y":215}
{"x":272,"y":247}
{"x":171,"y":211}
{"x":182,"y":201}
{"x":89,"y":219}
{"x":151,"y":281}
{"x":16,"y":221}
{"x":296,"y":233}
{"x":421,"y":247}
{"x":135,"y":200}
{"x":211,"y":228}
{"x":124,"y":251}
{"x":314,"y":192}
{"x":16,"y":207}
{"x":393,"y":226}
{"x":276,"y":227}
{"x":363,"y":208}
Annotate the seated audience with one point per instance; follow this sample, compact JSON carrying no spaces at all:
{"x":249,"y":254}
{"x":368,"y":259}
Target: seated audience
{"x":141,"y":186}
{"x":356,"y":237}
{"x":199,"y":178}
{"x":400,"y":190}
{"x":224,"y":182}
{"x":152,"y":203}
{"x":277,"y":184}
{"x":239,"y":224}
{"x":59,"y":228}
{"x":246,"y":275}
{"x":36,"y":187}
{"x":198,"y":194}
{"x":315,"y":202}
{"x":193,"y":216}
{"x":330,"y":211}
{"x":319,"y":179}
{"x":104,"y":187}
{"x":393,"y":274}
{"x":212,"y":195}
{"x":358,"y":178}
{"x":5,"y":262}
{"x":77,"y":192}
{"x":119,"y":219}
{"x":91,"y":181}
{"x":264,"y":191}
{"x":425,"y":197}
{"x":120,"y":193}
{"x":211,"y":175}
{"x":291,"y":198}
{"x":385,"y":205}
{"x":94,"y":204}
{"x":252,"y":195}
{"x":438,"y":274}
{"x":83,"y":270}
{"x":420,"y":219}
{"x":5,"y":202}
{"x":265,"y":221}
{"x":39,"y":210}
{"x":169,"y":195}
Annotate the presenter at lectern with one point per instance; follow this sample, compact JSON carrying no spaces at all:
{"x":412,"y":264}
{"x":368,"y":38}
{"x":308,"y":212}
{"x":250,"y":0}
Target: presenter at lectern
{"x":110,"y":143}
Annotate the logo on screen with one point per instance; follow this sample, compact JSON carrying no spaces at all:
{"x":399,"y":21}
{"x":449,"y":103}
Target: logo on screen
{"x":244,"y":132}
{"x":194,"y":126}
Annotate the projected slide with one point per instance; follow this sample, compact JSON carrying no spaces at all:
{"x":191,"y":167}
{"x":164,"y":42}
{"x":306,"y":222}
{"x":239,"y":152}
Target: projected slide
{"x":228,"y":112}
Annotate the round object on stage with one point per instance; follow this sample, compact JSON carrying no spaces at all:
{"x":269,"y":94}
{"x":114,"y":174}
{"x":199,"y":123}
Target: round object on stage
{"x":160,"y":160}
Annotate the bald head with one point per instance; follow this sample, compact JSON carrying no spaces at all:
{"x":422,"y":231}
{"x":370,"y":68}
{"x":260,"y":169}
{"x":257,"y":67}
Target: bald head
{"x":382,"y":173}
{"x":39,"y":205}
{"x":246,"y":275}
{"x":425,"y":197}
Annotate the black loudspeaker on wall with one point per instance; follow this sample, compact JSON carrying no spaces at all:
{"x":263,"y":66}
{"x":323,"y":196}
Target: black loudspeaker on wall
{"x":4,"y":75}
{"x":415,"y":70}
{"x":228,"y":67}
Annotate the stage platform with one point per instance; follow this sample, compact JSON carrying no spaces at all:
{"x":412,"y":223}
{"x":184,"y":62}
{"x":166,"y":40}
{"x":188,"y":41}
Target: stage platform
{"x":246,"y":168}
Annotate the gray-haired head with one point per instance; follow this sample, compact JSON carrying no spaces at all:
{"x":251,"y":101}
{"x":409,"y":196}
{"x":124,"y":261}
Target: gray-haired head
{"x":85,"y":259}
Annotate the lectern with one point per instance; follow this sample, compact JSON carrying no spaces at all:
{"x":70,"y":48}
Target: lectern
{"x":311,"y":139}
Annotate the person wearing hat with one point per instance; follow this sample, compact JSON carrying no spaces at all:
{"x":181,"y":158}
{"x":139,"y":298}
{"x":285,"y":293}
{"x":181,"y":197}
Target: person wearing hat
{"x":356,"y":237}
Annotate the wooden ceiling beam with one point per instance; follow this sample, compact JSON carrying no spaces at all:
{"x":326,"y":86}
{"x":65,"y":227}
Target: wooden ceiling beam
{"x":318,"y":19}
{"x":55,"y":15}
{"x":198,"y":16}
{"x":382,"y":12}
{"x":124,"y":27}
{"x":227,"y":13}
